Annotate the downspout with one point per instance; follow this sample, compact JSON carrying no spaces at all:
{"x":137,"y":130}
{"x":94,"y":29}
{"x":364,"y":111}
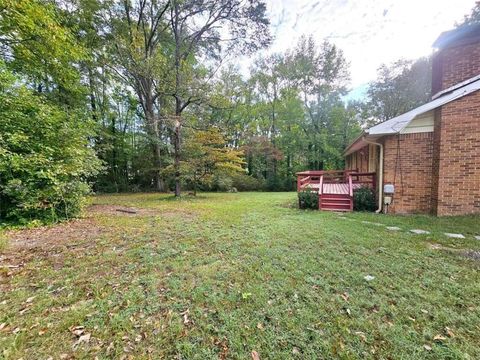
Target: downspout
{"x":380,"y":177}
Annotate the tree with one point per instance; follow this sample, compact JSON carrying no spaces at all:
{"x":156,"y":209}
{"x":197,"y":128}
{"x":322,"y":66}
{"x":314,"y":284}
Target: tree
{"x":269,"y":83}
{"x":399,"y":88}
{"x":211,"y":30}
{"x":207,"y":155}
{"x":45,"y":161}
{"x":137,"y":34}
{"x":320,"y":74}
{"x":473,"y":17}
{"x":35,"y":44}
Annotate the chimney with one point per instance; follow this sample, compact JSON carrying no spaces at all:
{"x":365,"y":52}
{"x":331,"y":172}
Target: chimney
{"x":457,"y":57}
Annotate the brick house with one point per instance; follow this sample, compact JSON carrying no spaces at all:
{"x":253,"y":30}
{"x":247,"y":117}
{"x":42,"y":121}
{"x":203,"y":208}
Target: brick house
{"x":431,"y":154}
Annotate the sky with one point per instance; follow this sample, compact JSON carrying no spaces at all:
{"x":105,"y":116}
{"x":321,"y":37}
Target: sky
{"x":370,"y":32}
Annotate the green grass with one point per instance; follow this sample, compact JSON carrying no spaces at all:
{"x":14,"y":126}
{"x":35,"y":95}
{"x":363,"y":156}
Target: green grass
{"x":221,"y":275}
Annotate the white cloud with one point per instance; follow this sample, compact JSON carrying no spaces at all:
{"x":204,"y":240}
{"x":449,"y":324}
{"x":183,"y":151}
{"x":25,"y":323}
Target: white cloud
{"x":370,"y":32}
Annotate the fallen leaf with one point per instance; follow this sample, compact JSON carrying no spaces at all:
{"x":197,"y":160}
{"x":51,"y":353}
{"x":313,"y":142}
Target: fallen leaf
{"x":427,"y":347}
{"x":42,"y":332}
{"x":2,"y":326}
{"x":439,"y":337}
{"x":361,"y":335}
{"x":295,"y":350}
{"x":82,"y":339}
{"x":345,"y":296}
{"x":255,"y":355}
{"x":30,"y":299}
{"x":369,"y":277}
{"x":449,"y":332}
{"x":110,"y":348}
{"x":77,"y":330}
{"x":186,"y":320}
{"x":260,"y":326}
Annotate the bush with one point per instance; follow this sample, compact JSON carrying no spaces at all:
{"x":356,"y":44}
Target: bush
{"x":364,"y":199}
{"x":45,"y":159}
{"x":308,"y":199}
{"x":222,"y":182}
{"x":244,"y":182}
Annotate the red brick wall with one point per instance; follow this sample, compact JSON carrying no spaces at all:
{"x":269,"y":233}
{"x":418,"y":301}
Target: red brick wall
{"x":408,"y":161}
{"x":457,"y":150}
{"x":454,"y":65}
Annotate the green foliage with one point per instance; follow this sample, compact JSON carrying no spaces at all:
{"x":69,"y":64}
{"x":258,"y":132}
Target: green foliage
{"x":308,"y":199}
{"x":364,"y":199}
{"x":244,"y":182}
{"x":37,"y":45}
{"x":399,"y":87}
{"x":473,"y":17}
{"x":209,"y":160}
{"x":45,"y":160}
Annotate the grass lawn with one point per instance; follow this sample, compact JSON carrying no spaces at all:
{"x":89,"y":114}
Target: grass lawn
{"x":222,"y":275}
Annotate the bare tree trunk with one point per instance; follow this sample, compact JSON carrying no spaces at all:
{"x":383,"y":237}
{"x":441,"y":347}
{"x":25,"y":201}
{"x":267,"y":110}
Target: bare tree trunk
{"x":176,"y":145}
{"x":154,"y":132}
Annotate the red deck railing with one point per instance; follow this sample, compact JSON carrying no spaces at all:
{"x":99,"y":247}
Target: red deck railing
{"x":316,"y":179}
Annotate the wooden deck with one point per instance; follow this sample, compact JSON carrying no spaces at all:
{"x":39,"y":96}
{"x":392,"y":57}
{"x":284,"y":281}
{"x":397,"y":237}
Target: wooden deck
{"x":338,"y":189}
{"x":335,"y":188}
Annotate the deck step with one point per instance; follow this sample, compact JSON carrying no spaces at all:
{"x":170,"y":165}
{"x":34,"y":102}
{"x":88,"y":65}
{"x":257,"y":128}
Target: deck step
{"x":335,"y":205}
{"x":347,"y":200}
{"x":335,"y":202}
{"x":336,"y":210}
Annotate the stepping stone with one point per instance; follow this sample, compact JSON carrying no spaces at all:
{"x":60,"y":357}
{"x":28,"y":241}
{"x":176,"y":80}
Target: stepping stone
{"x":455,"y":236}
{"x":393,"y":228}
{"x":372,"y":223}
{"x":419,"y":231}
{"x":477,"y":237}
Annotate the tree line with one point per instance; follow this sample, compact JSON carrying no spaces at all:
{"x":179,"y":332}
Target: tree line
{"x":145,"y":95}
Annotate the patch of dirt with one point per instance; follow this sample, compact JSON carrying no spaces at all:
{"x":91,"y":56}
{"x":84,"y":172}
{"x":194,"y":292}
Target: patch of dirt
{"x":438,"y":247}
{"x":58,"y":234}
{"x":74,"y":236}
{"x":78,"y":232}
{"x":47,"y":242}
{"x":120,"y":210}
{"x":469,"y":254}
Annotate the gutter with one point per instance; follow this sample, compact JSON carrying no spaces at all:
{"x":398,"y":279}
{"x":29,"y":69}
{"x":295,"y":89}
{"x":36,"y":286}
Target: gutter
{"x":380,"y":177}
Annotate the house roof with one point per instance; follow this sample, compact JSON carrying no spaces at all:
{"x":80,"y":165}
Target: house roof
{"x":397,"y":124}
{"x":460,"y":35}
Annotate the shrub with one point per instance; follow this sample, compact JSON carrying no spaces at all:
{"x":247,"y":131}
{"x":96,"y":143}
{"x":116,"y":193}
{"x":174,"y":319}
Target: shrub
{"x":222,"y":182}
{"x":45,"y":159}
{"x":244,"y":182}
{"x":308,"y":199}
{"x":364,"y":199}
